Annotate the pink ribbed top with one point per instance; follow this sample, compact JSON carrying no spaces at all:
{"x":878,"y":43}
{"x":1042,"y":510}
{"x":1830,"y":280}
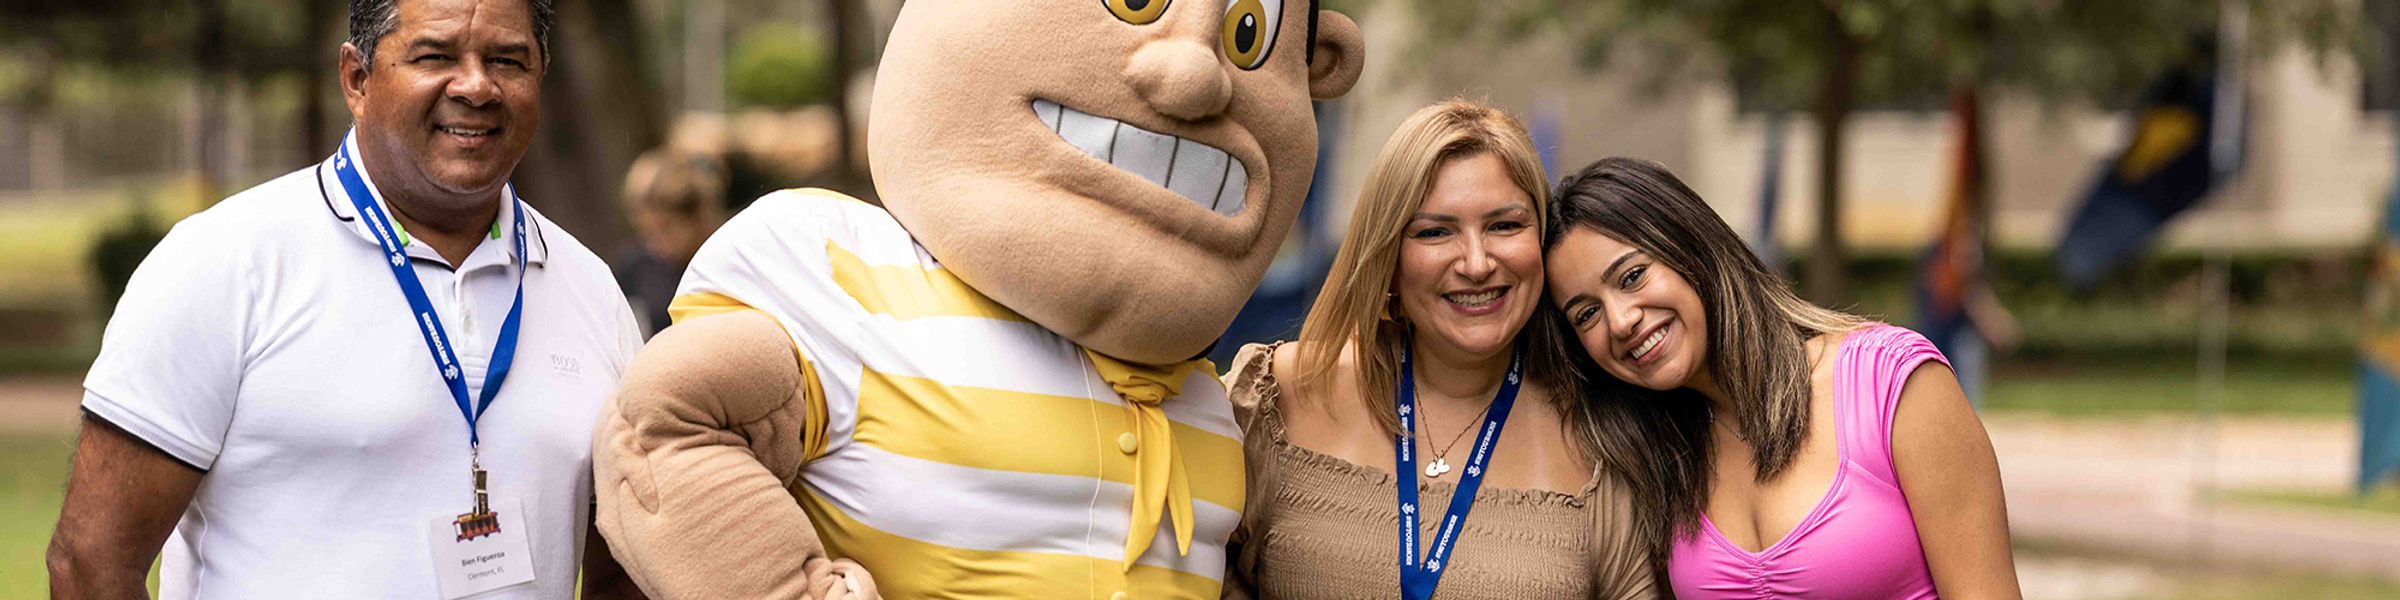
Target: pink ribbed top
{"x":1860,"y":541}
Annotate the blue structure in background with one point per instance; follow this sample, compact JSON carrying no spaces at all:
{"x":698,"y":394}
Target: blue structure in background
{"x":2164,"y":171}
{"x":2379,"y":359}
{"x":1770,"y":196}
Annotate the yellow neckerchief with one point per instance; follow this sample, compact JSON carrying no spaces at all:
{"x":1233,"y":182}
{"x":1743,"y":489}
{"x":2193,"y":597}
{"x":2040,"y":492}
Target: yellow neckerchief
{"x":1158,"y":476}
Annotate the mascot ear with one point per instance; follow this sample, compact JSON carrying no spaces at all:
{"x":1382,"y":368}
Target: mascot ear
{"x":1338,"y":57}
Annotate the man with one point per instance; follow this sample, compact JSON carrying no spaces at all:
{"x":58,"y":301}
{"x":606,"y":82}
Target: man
{"x":308,"y":392}
{"x":990,"y":390}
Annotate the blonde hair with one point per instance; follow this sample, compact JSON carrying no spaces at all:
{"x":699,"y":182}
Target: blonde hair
{"x":1354,"y":310}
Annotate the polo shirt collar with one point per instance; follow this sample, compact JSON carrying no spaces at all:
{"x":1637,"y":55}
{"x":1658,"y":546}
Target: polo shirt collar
{"x":337,"y":201}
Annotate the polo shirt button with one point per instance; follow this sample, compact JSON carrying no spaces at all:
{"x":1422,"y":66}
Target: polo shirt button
{"x":1119,"y":596}
{"x":1128,"y":444}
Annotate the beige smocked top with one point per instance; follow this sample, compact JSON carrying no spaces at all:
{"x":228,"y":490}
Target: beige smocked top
{"x":1317,"y":526}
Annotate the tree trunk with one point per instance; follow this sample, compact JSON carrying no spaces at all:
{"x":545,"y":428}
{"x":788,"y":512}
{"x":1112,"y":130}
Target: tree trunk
{"x":319,"y":26}
{"x":210,"y":82}
{"x":844,"y":17}
{"x":599,"y":112}
{"x":1826,"y":263}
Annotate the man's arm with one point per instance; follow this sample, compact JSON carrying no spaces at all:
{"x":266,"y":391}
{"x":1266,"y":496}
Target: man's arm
{"x":123,"y":498}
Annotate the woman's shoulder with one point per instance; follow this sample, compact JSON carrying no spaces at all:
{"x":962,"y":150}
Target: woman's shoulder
{"x":1268,"y":378}
{"x":1286,"y":368}
{"x":1885,"y":336}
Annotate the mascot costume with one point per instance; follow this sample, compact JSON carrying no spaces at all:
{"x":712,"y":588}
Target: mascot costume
{"x":987,"y":386}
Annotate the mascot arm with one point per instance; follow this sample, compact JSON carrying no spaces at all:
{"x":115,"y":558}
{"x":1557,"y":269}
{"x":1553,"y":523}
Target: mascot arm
{"x":697,"y":462}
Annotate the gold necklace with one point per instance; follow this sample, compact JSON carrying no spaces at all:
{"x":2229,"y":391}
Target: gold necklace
{"x":1441,"y":462}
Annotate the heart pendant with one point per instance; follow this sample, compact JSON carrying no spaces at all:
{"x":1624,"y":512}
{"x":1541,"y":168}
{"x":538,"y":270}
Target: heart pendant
{"x":1438,"y":467}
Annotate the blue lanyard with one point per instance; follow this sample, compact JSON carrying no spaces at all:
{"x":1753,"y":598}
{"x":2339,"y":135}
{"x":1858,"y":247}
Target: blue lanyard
{"x":1417,"y":583}
{"x":429,"y":325}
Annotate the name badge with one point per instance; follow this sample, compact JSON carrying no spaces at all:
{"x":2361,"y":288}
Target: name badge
{"x":485,"y":556}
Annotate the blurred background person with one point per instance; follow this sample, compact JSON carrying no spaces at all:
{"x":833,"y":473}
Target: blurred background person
{"x":674,"y":200}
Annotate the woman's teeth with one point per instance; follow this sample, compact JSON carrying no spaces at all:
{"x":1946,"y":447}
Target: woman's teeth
{"x":1475,"y":299}
{"x":1649,"y":344}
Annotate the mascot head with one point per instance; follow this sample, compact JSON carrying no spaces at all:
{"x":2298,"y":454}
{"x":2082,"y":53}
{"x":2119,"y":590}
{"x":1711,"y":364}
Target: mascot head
{"x":1119,"y":171}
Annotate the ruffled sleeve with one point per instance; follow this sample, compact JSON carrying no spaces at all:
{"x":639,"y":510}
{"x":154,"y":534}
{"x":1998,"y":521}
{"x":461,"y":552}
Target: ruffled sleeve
{"x":1250,"y":384}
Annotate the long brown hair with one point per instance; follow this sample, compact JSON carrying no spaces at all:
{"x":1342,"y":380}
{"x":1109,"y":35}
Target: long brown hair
{"x":1354,"y":311}
{"x":1757,"y":335}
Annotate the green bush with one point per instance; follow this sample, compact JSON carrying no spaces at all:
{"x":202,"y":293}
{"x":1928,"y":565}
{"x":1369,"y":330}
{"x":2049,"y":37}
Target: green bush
{"x":119,"y":251}
{"x":2286,"y":304}
{"x":781,"y":65}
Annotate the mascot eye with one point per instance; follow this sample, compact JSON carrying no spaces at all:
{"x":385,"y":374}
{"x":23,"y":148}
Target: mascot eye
{"x":1249,"y":34}
{"x":1138,"y":12}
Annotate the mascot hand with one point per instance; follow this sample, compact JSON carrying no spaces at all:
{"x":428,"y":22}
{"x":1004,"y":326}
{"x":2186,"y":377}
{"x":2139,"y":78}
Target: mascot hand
{"x":696,"y":463}
{"x":840,"y":579}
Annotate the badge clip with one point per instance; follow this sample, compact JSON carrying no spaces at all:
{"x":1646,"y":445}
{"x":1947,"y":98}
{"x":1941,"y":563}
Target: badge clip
{"x":482,"y":521}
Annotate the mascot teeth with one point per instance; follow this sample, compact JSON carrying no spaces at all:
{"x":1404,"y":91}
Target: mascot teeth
{"x":1198,"y":172}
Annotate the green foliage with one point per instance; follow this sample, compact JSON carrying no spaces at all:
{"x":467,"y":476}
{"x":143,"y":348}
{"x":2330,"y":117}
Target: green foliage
{"x":2287,"y":306}
{"x":2093,"y":385}
{"x":780,"y":65}
{"x":1781,"y":53}
{"x":119,"y":251}
{"x":257,"y":36}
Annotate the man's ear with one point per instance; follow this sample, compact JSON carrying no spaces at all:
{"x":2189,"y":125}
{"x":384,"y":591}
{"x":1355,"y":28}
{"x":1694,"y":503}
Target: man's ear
{"x":1340,"y":55}
{"x":353,"y":72}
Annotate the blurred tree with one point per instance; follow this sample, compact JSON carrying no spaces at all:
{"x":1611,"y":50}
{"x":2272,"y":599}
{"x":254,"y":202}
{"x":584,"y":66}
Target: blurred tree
{"x":601,"y":104}
{"x":601,"y":99}
{"x":1834,"y":56}
{"x":844,"y":18}
{"x":781,"y":65}
{"x":219,"y":44}
{"x":601,"y":107}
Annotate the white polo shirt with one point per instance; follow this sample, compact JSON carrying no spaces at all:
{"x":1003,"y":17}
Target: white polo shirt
{"x":265,"y":343}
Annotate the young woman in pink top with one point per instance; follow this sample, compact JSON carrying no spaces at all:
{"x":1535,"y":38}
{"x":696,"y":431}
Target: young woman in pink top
{"x":1795,"y":451}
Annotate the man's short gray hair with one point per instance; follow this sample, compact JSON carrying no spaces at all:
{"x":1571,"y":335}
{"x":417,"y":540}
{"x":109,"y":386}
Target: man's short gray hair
{"x":370,"y":20}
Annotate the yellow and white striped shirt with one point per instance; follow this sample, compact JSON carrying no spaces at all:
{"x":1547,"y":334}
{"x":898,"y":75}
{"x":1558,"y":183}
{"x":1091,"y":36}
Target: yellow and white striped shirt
{"x":955,"y":448}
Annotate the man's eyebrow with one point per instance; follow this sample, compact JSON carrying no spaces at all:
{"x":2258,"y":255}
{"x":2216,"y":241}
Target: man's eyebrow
{"x":432,"y":43}
{"x":512,"y":48}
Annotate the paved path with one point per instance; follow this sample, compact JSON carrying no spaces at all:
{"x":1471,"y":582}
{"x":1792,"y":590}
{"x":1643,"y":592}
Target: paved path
{"x":2131,"y":487}
{"x":40,"y":404}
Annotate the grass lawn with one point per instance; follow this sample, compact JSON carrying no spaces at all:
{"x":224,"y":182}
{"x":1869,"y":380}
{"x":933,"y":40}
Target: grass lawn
{"x":2385,"y":501}
{"x":2122,"y":387}
{"x":33,"y":479}
{"x":33,"y":474}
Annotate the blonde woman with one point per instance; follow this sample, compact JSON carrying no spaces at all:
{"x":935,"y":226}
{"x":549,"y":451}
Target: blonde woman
{"x":1419,"y":436}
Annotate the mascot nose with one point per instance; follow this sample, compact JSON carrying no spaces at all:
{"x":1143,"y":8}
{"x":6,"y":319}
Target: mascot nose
{"x":1181,"y":79}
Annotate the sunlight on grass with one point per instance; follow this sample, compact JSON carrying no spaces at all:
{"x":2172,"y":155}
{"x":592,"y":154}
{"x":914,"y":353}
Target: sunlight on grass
{"x":2384,"y":501}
